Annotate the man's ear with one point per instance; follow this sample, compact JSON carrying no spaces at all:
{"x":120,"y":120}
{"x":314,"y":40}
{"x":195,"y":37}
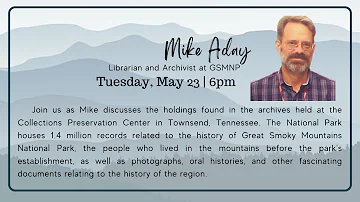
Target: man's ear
{"x":314,"y":48}
{"x":278,"y":45}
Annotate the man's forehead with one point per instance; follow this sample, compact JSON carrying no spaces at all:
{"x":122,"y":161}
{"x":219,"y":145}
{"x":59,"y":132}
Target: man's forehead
{"x":297,"y":30}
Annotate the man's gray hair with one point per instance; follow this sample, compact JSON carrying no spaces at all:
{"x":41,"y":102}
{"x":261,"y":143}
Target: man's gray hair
{"x":297,"y":19}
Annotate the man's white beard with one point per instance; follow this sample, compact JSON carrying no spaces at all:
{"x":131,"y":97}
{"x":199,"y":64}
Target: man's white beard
{"x":296,"y":68}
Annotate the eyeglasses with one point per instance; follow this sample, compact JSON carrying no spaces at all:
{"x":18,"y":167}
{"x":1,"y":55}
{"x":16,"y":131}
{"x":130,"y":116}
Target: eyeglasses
{"x":292,"y":44}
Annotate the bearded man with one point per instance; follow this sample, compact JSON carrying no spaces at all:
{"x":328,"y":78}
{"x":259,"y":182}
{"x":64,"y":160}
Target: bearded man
{"x":294,"y":81}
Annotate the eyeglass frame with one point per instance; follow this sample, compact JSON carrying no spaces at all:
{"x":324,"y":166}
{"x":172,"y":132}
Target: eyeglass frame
{"x":312,"y":45}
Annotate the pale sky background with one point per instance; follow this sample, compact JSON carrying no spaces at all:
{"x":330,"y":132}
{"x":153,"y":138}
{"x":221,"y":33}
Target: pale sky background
{"x":354,"y":5}
{"x":203,"y":21}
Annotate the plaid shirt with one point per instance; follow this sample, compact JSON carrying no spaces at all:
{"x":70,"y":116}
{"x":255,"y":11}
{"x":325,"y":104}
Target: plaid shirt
{"x":317,"y":88}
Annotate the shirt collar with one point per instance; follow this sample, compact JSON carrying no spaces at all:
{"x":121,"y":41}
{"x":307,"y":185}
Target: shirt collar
{"x":282,"y":81}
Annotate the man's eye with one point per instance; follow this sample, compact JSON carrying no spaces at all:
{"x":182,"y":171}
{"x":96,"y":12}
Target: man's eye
{"x":307,"y":45}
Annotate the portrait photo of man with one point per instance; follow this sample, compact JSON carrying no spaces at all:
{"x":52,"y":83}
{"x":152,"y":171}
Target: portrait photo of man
{"x":294,"y":81}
